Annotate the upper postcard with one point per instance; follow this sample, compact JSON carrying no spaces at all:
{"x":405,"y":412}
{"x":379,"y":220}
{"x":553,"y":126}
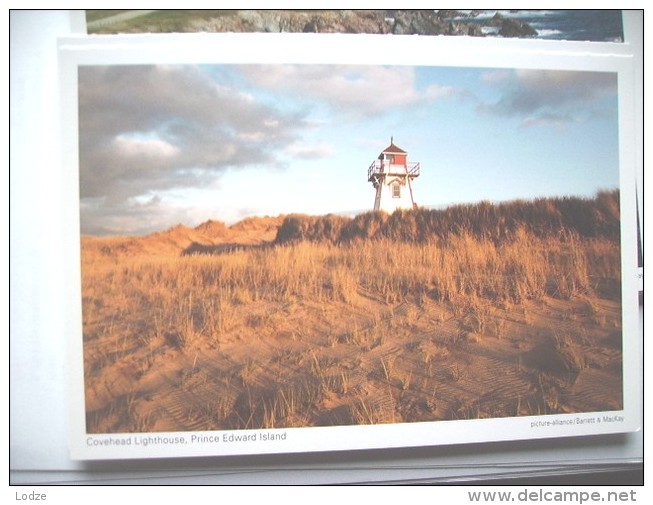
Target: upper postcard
{"x":571,"y":25}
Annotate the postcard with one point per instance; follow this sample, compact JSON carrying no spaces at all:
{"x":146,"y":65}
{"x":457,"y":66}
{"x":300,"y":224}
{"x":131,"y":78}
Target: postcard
{"x":321,"y":242}
{"x":596,"y":25}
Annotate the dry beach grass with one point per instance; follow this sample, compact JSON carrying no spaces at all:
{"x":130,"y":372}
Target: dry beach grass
{"x":472,"y":312}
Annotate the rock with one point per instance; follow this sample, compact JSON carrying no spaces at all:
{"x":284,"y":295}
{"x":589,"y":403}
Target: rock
{"x":470,"y":30}
{"x":310,"y":27}
{"x":449,"y":14}
{"x":512,"y":28}
{"x":401,"y":24}
{"x":419,"y":22}
{"x":474,"y":31}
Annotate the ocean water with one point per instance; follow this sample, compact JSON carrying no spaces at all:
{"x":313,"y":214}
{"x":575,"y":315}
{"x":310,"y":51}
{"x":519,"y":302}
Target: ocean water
{"x":578,"y":25}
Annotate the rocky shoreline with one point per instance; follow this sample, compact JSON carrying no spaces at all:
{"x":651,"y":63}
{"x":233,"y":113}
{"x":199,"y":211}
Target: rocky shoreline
{"x":396,"y":22}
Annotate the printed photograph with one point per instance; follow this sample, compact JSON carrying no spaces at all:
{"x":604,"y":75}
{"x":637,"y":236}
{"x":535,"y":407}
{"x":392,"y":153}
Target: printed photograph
{"x":593,"y":25}
{"x":285,"y":246}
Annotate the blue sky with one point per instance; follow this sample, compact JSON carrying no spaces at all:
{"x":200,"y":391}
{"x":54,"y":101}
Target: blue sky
{"x":162,"y":145}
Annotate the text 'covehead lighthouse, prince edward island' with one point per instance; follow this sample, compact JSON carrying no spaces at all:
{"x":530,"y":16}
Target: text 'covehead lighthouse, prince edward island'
{"x":393,"y":177}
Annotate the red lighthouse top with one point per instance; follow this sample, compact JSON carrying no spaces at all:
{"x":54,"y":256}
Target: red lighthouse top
{"x":393,"y":154}
{"x":392,"y":148}
{"x":393,"y":161}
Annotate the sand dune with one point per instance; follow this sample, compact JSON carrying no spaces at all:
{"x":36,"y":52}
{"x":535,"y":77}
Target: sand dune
{"x":307,"y":334}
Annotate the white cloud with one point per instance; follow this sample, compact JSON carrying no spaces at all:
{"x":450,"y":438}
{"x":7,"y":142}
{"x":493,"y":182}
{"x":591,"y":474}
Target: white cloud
{"x":309,"y":151}
{"x":558,"y":121}
{"x":436,"y":91}
{"x":548,"y":97}
{"x":352,"y":90}
{"x":133,"y":147}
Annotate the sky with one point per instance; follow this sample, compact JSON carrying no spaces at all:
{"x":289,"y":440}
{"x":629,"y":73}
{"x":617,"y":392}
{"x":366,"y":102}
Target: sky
{"x":162,"y":145}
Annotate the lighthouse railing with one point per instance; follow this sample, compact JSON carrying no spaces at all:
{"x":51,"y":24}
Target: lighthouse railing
{"x":379,"y":167}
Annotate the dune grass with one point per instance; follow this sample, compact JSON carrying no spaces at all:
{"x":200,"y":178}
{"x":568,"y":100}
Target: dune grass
{"x":476,"y":285}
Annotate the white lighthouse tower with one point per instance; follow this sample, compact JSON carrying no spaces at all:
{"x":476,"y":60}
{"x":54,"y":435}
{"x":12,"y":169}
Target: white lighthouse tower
{"x":392,"y":177}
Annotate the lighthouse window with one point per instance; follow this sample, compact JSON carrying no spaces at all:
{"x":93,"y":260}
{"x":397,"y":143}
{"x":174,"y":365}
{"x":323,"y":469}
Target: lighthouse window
{"x":396,"y":191}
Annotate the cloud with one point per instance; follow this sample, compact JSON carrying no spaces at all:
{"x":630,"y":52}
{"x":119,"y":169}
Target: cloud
{"x":135,"y":216}
{"x":437,"y":91}
{"x":354,"y":90}
{"x":141,"y":125}
{"x":138,"y":148}
{"x":157,"y":128}
{"x":559,"y":121}
{"x":309,"y":151}
{"x":548,"y":97}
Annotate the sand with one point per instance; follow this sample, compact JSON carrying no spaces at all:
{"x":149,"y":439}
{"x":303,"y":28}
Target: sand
{"x":302,"y":362}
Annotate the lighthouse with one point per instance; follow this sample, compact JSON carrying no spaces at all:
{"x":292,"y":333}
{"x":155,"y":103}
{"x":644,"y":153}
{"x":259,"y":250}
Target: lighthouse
{"x":392,"y":177}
